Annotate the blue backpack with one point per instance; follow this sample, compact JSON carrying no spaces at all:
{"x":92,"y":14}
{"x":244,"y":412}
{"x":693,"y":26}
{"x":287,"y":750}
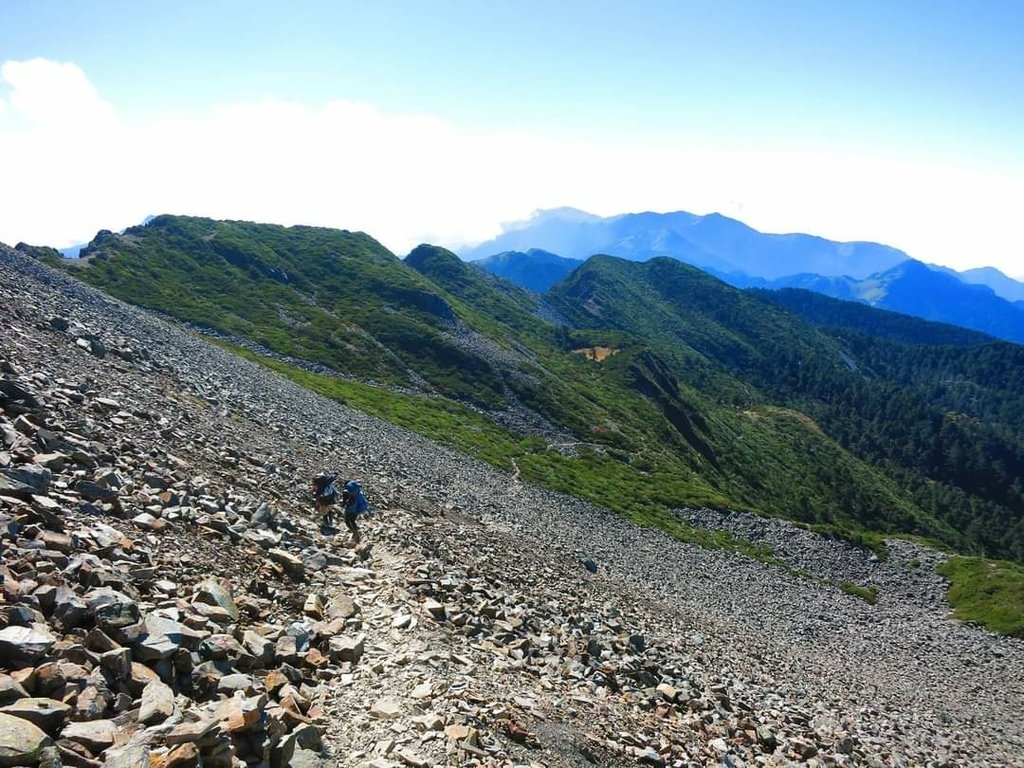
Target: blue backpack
{"x":356,"y":492}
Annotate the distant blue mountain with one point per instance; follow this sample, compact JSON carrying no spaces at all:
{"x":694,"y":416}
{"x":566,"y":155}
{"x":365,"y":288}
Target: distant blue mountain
{"x":917,"y":289}
{"x":535,"y":269}
{"x":713,"y":242}
{"x":1007,"y":287}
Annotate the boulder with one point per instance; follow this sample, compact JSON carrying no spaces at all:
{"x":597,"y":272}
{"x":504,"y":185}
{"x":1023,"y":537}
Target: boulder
{"x":130,"y":756}
{"x":34,"y":476}
{"x":94,"y":735}
{"x":21,"y":742}
{"x":47,"y":714}
{"x":157,"y":703}
{"x":25,"y":645}
{"x":10,"y":690}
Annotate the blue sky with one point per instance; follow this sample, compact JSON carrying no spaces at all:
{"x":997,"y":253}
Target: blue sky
{"x":897,"y":122}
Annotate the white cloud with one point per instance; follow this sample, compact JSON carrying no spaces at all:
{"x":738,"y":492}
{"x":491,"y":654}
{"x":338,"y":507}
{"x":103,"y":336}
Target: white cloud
{"x":50,"y":93}
{"x":79,"y":165}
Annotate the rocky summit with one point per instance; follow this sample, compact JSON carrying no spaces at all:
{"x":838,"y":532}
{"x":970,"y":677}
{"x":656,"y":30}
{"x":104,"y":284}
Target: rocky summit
{"x":168,"y":598}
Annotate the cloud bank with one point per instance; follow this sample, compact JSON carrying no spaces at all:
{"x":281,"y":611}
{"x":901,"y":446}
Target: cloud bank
{"x":73,"y":163}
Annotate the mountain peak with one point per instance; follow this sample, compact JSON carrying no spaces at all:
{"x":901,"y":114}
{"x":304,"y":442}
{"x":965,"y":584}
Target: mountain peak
{"x":712,"y":241}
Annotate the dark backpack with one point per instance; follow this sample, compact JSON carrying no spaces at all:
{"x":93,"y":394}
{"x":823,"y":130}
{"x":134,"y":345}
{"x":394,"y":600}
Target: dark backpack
{"x":324,"y":489}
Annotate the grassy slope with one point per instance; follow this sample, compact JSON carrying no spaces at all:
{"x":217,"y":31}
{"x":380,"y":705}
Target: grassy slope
{"x":327,"y":295}
{"x":987,"y":592}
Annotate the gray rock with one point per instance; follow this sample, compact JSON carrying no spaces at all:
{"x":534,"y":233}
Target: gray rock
{"x":69,"y":610}
{"x":237,"y":682}
{"x":10,"y":690}
{"x":217,"y":592}
{"x":157,"y":703}
{"x":129,"y":756}
{"x":94,"y":735}
{"x":47,"y":714}
{"x":25,"y":644}
{"x":21,"y":742}
{"x":342,"y":607}
{"x":112,"y":610}
{"x":91,"y":491}
{"x":386,"y":708}
{"x":435,"y":609}
{"x":260,"y":647}
{"x":34,"y":476}
{"x":292,"y":565}
{"x":344,"y":648}
{"x":218,"y":647}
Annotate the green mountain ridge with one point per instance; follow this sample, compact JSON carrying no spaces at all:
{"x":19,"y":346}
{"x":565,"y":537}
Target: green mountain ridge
{"x":666,"y":387}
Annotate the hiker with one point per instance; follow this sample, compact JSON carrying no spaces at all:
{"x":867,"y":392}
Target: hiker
{"x":355,"y":504}
{"x":325,"y":494}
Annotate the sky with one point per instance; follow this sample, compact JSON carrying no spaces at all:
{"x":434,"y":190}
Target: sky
{"x":900,"y":123}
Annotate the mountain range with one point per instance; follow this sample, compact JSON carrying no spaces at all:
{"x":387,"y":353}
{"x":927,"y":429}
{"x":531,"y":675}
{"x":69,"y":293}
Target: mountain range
{"x":643,"y":386}
{"x":983,"y":299}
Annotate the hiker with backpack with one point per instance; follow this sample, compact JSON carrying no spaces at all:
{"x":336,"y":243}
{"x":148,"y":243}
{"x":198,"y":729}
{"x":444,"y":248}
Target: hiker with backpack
{"x":325,"y":494}
{"x":355,"y":504}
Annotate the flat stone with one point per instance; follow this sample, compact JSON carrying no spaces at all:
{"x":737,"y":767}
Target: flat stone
{"x":414,"y":759}
{"x":149,"y":522}
{"x":237,"y":714}
{"x":667,"y":692}
{"x":112,"y":610}
{"x":47,"y":714}
{"x":35,"y":477}
{"x":190,"y":732}
{"x":60,"y":542}
{"x":314,"y":606}
{"x":21,"y":742}
{"x":52,"y":461}
{"x":429,"y":722}
{"x":342,"y":607}
{"x":94,"y":735}
{"x":27,"y":644}
{"x":182,"y":756}
{"x":139,"y":677}
{"x":386,"y":708}
{"x":236,"y":682}
{"x":457,"y":732}
{"x":260,"y":647}
{"x":422,"y":691}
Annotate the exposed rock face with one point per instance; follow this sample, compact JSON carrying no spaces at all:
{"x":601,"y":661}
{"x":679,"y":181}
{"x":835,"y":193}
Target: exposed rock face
{"x":168,"y":600}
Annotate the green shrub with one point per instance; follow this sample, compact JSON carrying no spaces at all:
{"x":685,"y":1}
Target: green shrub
{"x":986,"y":592}
{"x":868,"y":594}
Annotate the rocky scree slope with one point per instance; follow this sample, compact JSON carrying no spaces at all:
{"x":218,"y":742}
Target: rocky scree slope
{"x":167,"y":599}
